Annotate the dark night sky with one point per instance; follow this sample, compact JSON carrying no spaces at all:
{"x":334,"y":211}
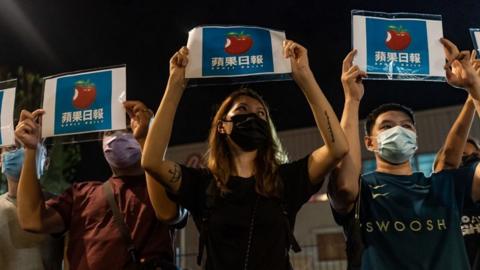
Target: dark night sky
{"x":55,"y":36}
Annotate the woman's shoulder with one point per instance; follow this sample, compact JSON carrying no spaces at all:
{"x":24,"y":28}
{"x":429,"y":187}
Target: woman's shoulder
{"x":198,"y":174}
{"x":199,"y":170}
{"x":295,"y":165}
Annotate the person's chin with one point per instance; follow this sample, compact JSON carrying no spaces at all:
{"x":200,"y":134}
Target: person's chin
{"x":396,"y":164}
{"x":134,"y":169}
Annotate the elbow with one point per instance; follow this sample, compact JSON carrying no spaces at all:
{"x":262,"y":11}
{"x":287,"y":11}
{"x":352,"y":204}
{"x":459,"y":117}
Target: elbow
{"x":30,"y":225}
{"x":343,"y":194}
{"x":343,"y":200}
{"x":451,"y":159}
{"x":339,"y":153}
{"x":347,"y":195}
{"x":171,"y":215}
{"x":147,"y":164}
{"x":167,"y":218}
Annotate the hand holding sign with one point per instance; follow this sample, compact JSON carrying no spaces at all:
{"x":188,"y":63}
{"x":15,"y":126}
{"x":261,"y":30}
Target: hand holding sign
{"x":459,"y":69}
{"x":140,"y":117}
{"x":28,"y":129}
{"x":352,"y":77}
{"x":178,"y":63}
{"x":475,"y":62}
{"x":298,"y":57}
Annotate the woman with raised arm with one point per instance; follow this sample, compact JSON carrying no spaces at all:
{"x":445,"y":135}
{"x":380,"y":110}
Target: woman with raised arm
{"x":245,"y":201}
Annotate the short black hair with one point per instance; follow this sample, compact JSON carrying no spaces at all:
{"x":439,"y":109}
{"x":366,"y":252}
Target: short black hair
{"x":372,"y":117}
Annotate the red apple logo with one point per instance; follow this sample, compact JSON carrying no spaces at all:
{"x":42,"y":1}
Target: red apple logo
{"x":238,"y":43}
{"x":85,"y":94}
{"x":397,"y":38}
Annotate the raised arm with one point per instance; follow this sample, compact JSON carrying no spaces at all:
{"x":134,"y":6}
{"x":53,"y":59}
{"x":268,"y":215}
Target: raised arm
{"x":140,"y":116}
{"x":460,"y":72}
{"x":153,"y":157}
{"x":324,"y":159}
{"x":343,"y":185}
{"x":450,"y":154}
{"x":33,"y":215}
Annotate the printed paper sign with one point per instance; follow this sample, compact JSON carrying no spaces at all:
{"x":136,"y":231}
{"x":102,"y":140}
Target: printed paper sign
{"x":401,"y":46}
{"x":7,"y":101}
{"x":234,"y":51}
{"x":84,"y":102}
{"x":475,"y":34}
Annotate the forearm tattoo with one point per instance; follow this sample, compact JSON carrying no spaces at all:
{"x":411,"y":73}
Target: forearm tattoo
{"x":329,"y":127}
{"x":176,"y":173}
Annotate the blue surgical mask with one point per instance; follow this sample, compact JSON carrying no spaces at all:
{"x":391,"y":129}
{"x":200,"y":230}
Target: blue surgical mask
{"x":397,"y":145}
{"x":121,"y":150}
{"x":12,"y":162}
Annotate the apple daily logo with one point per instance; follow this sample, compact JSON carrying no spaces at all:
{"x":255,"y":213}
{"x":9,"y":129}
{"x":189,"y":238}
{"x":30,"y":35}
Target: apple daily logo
{"x":84,"y":95}
{"x":238,"y":43}
{"x":398,"y":38}
{"x":236,"y":50}
{"x":83,"y":102}
{"x":397,"y":47}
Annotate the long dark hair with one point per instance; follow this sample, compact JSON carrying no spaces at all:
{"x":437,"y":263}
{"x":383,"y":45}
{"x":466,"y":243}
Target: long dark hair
{"x":219,"y":158}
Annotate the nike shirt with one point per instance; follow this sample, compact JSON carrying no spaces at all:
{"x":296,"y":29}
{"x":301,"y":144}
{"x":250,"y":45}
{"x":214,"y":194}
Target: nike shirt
{"x":413,"y":222}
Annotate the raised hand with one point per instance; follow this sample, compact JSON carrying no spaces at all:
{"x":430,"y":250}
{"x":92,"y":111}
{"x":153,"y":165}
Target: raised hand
{"x":299,"y":58}
{"x":460,"y":71}
{"x":28,"y":130}
{"x":178,"y":62}
{"x":475,"y":62}
{"x":140,"y":117}
{"x":352,"y":78}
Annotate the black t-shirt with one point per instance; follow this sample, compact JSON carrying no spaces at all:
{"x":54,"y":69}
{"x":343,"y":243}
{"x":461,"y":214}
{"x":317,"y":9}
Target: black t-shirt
{"x":471,"y":232}
{"x":231,"y":216}
{"x":470,"y":223}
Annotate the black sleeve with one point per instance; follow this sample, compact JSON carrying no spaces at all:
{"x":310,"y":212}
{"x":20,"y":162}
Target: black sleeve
{"x":342,"y":219}
{"x":191,"y":194}
{"x":463,"y":181}
{"x":297,"y":186}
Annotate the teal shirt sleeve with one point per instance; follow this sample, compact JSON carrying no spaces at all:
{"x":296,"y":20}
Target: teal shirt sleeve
{"x":456,"y":182}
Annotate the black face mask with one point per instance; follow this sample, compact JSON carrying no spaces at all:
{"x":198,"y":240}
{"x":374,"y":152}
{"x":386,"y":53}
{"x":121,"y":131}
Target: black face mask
{"x":470,"y":159}
{"x":249,"y":131}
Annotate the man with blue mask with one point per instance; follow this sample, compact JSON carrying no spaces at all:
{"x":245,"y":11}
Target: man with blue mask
{"x":20,"y":249}
{"x":395,"y":218}
{"x":110,"y":225}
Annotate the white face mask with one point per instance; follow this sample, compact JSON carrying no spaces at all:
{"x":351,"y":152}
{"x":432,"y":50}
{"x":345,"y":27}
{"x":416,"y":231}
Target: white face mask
{"x":397,"y":145}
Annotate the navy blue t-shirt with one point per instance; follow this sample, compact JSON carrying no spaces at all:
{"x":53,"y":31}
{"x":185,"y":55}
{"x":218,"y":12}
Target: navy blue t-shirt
{"x":413,"y":222}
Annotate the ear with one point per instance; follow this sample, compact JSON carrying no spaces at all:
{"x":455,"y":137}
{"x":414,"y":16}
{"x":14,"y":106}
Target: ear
{"x":368,"y":143}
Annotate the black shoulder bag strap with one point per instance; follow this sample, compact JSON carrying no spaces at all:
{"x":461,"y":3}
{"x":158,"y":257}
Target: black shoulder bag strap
{"x":355,"y":244}
{"x":211,"y":194}
{"x":292,"y":241}
{"x":119,"y":222}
